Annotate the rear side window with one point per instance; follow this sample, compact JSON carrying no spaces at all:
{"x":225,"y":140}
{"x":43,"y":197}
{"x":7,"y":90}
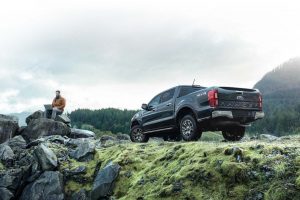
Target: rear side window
{"x":166,"y":96}
{"x":188,"y":90}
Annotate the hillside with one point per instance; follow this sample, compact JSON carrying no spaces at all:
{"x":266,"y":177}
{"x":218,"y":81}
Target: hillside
{"x":284,"y":78}
{"x":281,"y":100}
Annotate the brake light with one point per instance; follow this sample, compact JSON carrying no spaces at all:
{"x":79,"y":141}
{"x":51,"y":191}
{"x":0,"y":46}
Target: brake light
{"x":213,"y":98}
{"x":260,"y":101}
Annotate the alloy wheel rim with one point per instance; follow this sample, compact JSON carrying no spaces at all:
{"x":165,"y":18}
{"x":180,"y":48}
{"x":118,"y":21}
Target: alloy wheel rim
{"x":138,"y":134}
{"x":187,"y":128}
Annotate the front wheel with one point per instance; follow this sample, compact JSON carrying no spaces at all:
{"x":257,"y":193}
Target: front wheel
{"x":234,"y":133}
{"x":189,"y":128}
{"x":137,"y":135}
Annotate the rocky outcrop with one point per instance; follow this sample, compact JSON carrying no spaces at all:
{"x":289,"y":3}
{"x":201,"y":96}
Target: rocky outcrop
{"x":79,"y":133}
{"x":104,"y":182}
{"x":48,"y":186}
{"x":44,"y":127}
{"x":8,"y":127}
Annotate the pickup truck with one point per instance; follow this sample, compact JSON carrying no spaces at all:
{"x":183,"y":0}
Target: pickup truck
{"x":184,"y":112}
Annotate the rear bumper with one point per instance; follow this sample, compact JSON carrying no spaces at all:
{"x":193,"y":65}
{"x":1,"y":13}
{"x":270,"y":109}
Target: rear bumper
{"x":229,"y":114}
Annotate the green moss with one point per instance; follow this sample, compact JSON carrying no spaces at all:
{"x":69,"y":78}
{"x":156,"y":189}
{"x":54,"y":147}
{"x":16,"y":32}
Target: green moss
{"x":72,"y":187}
{"x":196,"y":170}
{"x":2,"y":166}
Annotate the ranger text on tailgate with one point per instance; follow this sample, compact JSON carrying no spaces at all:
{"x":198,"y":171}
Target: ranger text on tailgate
{"x":184,"y":112}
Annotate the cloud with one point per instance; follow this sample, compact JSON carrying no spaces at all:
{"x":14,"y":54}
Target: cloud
{"x":110,"y":54}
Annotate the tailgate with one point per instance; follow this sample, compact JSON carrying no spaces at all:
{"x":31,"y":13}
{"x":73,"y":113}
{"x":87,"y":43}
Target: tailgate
{"x":239,"y":98}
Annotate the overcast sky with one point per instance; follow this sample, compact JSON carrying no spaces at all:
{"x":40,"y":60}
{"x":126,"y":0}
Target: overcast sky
{"x":121,"y":53}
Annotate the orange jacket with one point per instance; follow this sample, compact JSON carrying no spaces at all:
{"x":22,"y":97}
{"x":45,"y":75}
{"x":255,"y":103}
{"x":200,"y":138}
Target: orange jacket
{"x":60,"y":103}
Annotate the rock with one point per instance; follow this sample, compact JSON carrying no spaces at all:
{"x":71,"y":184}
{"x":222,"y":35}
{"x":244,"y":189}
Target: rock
{"x":17,"y":143}
{"x":105,"y":138}
{"x":44,"y":127}
{"x":84,"y":152}
{"x":5,"y":194}
{"x":6,"y":155}
{"x":81,"y":195}
{"x":121,"y":136}
{"x":46,"y":158}
{"x":104,"y":182}
{"x":267,"y":137}
{"x":63,"y":118}
{"x":36,"y":115}
{"x":11,"y":178}
{"x":48,"y":186}
{"x":8,"y":127}
{"x":80,"y":133}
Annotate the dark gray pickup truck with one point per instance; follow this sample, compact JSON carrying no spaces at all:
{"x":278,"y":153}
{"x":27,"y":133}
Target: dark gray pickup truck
{"x":184,"y":112}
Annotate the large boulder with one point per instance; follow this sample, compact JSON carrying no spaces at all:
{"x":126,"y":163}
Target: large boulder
{"x":80,"y":133}
{"x":46,"y":158}
{"x":36,"y":115}
{"x":44,"y":127}
{"x":84,"y":151}
{"x":49,"y":186}
{"x":104,"y":182}
{"x":8,"y":127}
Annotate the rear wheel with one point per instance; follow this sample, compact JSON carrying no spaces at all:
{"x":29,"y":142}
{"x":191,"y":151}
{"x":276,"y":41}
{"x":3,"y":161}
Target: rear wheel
{"x":234,"y":133}
{"x":137,"y":135}
{"x":189,"y":129}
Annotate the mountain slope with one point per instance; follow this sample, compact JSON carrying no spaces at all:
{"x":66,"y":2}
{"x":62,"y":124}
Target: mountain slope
{"x":281,"y":97}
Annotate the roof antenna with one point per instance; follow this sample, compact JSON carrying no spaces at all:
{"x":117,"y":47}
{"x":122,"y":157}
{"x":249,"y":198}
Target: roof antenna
{"x":194,"y":82}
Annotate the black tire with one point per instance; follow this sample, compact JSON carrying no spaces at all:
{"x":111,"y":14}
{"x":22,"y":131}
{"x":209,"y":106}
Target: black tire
{"x":189,"y":130}
{"x":137,"y":135}
{"x":234,"y":133}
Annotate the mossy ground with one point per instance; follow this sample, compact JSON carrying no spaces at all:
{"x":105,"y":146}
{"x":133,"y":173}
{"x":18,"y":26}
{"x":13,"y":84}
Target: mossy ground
{"x":199,"y":170}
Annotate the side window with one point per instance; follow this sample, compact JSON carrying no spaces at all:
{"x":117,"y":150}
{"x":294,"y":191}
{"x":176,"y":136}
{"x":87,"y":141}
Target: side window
{"x":154,"y":102}
{"x":166,"y":96}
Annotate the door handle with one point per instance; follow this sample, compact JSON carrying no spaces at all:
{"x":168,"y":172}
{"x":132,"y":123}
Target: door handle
{"x":169,"y":104}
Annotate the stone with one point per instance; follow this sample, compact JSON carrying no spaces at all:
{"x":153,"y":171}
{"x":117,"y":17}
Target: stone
{"x":46,"y":158}
{"x":17,"y":143}
{"x":44,"y":127}
{"x":36,"y":115}
{"x":267,"y":137}
{"x":80,"y":133}
{"x":6,"y":155}
{"x":49,"y":186}
{"x":104,"y":182}
{"x":84,"y":152}
{"x":8,"y":127}
{"x":11,"y":178}
{"x":121,"y":136}
{"x":63,"y":118}
{"x":5,"y":194}
{"x":81,"y":195}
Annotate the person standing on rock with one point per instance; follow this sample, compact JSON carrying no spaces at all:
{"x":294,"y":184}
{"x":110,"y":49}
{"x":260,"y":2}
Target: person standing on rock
{"x":58,"y":105}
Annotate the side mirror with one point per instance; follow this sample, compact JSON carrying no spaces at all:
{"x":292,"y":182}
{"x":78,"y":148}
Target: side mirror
{"x":144,"y":106}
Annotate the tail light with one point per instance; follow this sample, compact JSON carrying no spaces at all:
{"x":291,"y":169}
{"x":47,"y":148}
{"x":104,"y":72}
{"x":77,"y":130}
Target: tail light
{"x":213,"y":98}
{"x":260,"y":101}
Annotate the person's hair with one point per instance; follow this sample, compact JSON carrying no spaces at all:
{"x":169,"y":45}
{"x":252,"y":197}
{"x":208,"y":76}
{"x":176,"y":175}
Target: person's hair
{"x":57,"y":91}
